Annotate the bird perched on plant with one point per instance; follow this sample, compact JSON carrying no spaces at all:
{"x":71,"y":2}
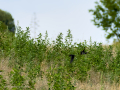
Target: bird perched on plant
{"x":83,"y":52}
{"x":72,"y":58}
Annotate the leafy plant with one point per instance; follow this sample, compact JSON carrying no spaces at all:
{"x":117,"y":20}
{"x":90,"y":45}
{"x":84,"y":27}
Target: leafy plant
{"x":3,"y":83}
{"x":16,"y":79}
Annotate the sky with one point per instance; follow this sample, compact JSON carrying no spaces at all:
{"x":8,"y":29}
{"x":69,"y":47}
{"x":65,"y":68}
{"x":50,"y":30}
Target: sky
{"x":56,"y":16}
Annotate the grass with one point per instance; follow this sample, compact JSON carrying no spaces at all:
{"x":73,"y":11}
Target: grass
{"x":29,"y":65}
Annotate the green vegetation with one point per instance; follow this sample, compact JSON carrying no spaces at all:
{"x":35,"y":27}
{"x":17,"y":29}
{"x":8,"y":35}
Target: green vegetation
{"x":8,"y":20}
{"x":106,"y":15}
{"x":25,"y":59}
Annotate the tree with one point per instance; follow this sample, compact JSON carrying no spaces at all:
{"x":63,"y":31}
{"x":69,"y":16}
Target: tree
{"x":6,"y":37}
{"x":7,"y":19}
{"x":107,"y":16}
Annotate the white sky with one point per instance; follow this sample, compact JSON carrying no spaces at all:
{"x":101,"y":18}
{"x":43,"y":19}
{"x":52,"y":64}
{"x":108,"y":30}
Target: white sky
{"x":57,"y":16}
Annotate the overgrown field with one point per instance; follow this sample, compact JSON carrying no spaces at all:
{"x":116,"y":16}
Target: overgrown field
{"x":26,"y":64}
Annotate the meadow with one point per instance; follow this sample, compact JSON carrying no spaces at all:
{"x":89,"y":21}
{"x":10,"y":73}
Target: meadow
{"x":26,"y":64}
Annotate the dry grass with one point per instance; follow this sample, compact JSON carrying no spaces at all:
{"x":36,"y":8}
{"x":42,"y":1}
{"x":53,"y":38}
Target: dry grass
{"x":92,"y":83}
{"x":6,"y":70}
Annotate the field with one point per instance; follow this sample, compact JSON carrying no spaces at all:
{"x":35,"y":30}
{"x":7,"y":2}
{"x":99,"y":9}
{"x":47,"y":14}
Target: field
{"x":26,"y":64}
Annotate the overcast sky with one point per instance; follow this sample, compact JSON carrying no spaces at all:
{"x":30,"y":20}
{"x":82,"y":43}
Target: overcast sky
{"x":56,"y":16}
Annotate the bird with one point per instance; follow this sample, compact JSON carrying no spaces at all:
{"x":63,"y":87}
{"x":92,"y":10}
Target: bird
{"x":83,"y":52}
{"x":72,"y":57}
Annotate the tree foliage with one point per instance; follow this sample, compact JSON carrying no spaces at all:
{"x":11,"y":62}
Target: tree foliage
{"x":7,"y":19}
{"x":107,"y":16}
{"x":5,"y":36}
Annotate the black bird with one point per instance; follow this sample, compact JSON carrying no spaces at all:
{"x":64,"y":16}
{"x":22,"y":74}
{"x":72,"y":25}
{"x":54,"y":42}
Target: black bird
{"x":83,"y":52}
{"x":72,"y":57}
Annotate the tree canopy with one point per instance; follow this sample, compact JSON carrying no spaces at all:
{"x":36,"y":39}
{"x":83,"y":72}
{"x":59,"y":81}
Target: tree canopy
{"x":107,"y":16}
{"x":7,"y":19}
